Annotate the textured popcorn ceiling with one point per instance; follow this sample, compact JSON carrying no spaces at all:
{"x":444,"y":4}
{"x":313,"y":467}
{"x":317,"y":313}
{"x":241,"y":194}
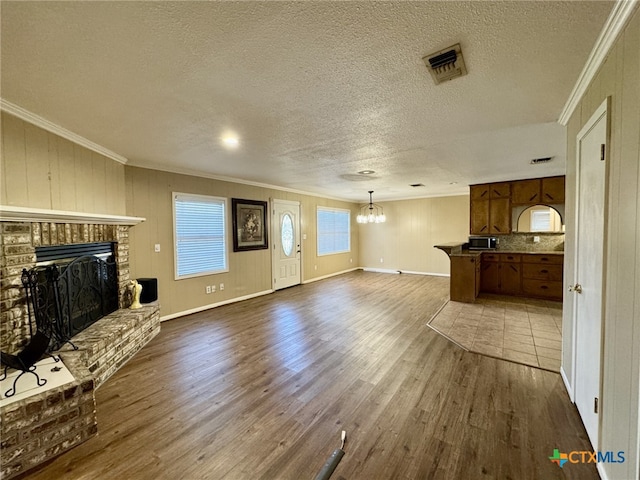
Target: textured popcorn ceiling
{"x":316,"y":91}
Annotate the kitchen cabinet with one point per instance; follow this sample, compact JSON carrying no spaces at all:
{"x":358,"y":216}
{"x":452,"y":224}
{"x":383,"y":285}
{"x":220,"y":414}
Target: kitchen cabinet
{"x":542,"y":276}
{"x":547,"y":190}
{"x":525,"y":192}
{"x":553,"y":189}
{"x":465,"y":278}
{"x":501,"y":273}
{"x":490,"y":209}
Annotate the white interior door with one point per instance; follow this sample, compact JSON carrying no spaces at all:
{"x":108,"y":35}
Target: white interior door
{"x":285,"y":243}
{"x":588,"y":285}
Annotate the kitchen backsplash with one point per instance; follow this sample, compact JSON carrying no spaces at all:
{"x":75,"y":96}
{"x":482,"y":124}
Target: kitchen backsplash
{"x":524,"y":242}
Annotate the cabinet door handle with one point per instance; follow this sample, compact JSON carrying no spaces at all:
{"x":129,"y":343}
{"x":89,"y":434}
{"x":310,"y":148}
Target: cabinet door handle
{"x":496,"y":192}
{"x":513,"y":268}
{"x":497,"y":228}
{"x":534,"y":196}
{"x":484,"y":193}
{"x":549,"y":196}
{"x":483,"y":228}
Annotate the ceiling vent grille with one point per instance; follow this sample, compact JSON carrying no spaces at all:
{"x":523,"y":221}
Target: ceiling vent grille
{"x":446,"y":64}
{"x":536,"y":161}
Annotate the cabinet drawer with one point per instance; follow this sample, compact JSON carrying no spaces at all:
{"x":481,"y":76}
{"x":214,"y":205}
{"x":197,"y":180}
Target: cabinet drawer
{"x":543,"y":259}
{"x":542,"y":272}
{"x":542,"y":288}
{"x":490,"y":257}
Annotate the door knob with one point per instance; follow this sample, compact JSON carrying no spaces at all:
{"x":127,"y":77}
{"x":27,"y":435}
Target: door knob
{"x":576,"y":288}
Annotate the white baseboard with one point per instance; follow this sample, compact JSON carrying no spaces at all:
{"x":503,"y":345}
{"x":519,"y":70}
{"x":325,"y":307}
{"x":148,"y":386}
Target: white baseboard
{"x":315,"y":279}
{"x":214,"y":305}
{"x":567,"y":385}
{"x":430,"y":274}
{"x":380,"y":270}
{"x":409,"y":272}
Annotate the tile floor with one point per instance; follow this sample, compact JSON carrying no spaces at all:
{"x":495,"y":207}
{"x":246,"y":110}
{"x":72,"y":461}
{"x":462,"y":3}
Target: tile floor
{"x":521,"y":330}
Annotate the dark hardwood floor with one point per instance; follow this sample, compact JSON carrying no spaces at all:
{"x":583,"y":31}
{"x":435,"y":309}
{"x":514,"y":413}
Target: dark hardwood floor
{"x":263,"y":388}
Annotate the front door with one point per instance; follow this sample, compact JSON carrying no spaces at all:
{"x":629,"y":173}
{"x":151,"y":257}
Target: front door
{"x":588,"y":290}
{"x":286,"y":243}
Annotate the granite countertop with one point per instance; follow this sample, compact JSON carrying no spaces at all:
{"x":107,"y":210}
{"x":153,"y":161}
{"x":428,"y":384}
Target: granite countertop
{"x":476,"y":253}
{"x":454,"y":249}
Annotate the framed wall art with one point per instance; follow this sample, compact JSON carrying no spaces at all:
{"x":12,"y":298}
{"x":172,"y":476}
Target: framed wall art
{"x":249,"y":224}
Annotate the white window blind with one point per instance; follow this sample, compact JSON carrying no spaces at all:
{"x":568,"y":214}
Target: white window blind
{"x":334,"y":230}
{"x":200,"y":235}
{"x":540,"y":220}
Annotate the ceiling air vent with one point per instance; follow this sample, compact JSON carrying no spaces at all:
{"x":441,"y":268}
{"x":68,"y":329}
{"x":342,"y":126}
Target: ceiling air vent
{"x":446,"y":64}
{"x":536,"y":161}
{"x":416,"y":185}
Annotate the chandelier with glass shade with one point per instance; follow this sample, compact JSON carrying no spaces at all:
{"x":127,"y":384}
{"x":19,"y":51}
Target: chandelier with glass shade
{"x":371,"y":213}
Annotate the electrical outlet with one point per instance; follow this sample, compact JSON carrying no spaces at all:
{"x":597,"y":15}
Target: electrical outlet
{"x":213,"y":289}
{"x":221,"y":286}
{"x":351,"y":260}
{"x":381,"y":260}
{"x":315,"y":267}
{"x":536,"y":239}
{"x":207,"y":289}
{"x":156,"y":248}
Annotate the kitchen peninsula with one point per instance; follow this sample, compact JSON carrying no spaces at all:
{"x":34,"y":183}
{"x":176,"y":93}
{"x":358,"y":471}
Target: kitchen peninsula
{"x":525,"y":218}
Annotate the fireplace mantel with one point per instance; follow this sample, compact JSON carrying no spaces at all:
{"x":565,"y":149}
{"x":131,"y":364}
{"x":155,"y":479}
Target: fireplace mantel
{"x":26,"y":214}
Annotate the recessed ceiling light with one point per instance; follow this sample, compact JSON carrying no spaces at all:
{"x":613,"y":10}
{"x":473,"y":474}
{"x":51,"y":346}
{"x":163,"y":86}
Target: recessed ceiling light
{"x":366,"y":172}
{"x":230,"y":141}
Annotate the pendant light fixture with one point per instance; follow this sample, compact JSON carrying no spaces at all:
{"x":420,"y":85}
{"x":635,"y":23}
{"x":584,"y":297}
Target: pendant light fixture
{"x":371,"y":213}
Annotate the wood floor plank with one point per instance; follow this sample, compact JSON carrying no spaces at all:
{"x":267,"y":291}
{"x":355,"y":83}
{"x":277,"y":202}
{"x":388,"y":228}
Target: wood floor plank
{"x":261,"y":389}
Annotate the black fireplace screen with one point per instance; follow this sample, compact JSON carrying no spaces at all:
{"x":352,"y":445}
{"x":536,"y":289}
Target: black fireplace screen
{"x":68,"y":297}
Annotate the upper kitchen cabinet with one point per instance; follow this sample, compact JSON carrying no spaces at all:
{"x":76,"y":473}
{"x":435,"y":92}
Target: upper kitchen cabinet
{"x":553,"y":189}
{"x":548,"y":190}
{"x":490,"y":208}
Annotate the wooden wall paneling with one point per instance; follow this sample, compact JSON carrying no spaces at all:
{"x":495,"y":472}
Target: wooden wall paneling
{"x":622,"y":355}
{"x":55,"y":181}
{"x":99,"y":182}
{"x":67,"y":175}
{"x":14,"y":160}
{"x":37,"y":166}
{"x":81,"y":170}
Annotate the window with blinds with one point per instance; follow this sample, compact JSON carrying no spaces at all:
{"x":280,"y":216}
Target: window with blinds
{"x":199,"y":230}
{"x":541,"y":220}
{"x":334,"y":230}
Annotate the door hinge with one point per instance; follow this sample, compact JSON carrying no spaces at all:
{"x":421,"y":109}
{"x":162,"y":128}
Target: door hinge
{"x":595,"y":405}
{"x":602,"y":151}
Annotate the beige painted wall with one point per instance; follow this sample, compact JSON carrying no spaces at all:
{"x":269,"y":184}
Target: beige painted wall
{"x":42,"y":170}
{"x":148,"y":194}
{"x":405,"y":241}
{"x":619,"y":77}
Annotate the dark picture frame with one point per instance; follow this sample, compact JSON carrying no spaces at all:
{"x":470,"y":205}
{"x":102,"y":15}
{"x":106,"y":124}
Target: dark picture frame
{"x":250,"y":228}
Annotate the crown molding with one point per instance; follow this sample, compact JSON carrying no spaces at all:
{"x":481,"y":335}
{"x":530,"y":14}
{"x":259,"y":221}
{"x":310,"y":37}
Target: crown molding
{"x":45,"y":124}
{"x":27,"y":214}
{"x":202,"y":174}
{"x":620,"y":14}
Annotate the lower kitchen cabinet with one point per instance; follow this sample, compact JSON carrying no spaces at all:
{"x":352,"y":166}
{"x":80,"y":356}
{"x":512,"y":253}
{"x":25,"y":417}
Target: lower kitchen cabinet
{"x":465,"y":278}
{"x":542,"y":276}
{"x":501,"y":273}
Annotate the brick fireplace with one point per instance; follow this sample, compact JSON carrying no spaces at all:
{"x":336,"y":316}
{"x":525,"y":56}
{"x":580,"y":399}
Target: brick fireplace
{"x":44,"y":425}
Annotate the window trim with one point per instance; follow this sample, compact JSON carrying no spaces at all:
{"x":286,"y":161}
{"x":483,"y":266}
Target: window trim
{"x":211,"y":199}
{"x":334,"y":210}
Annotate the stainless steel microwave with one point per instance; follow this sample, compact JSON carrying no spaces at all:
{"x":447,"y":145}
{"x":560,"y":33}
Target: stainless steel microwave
{"x":483,"y":243}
